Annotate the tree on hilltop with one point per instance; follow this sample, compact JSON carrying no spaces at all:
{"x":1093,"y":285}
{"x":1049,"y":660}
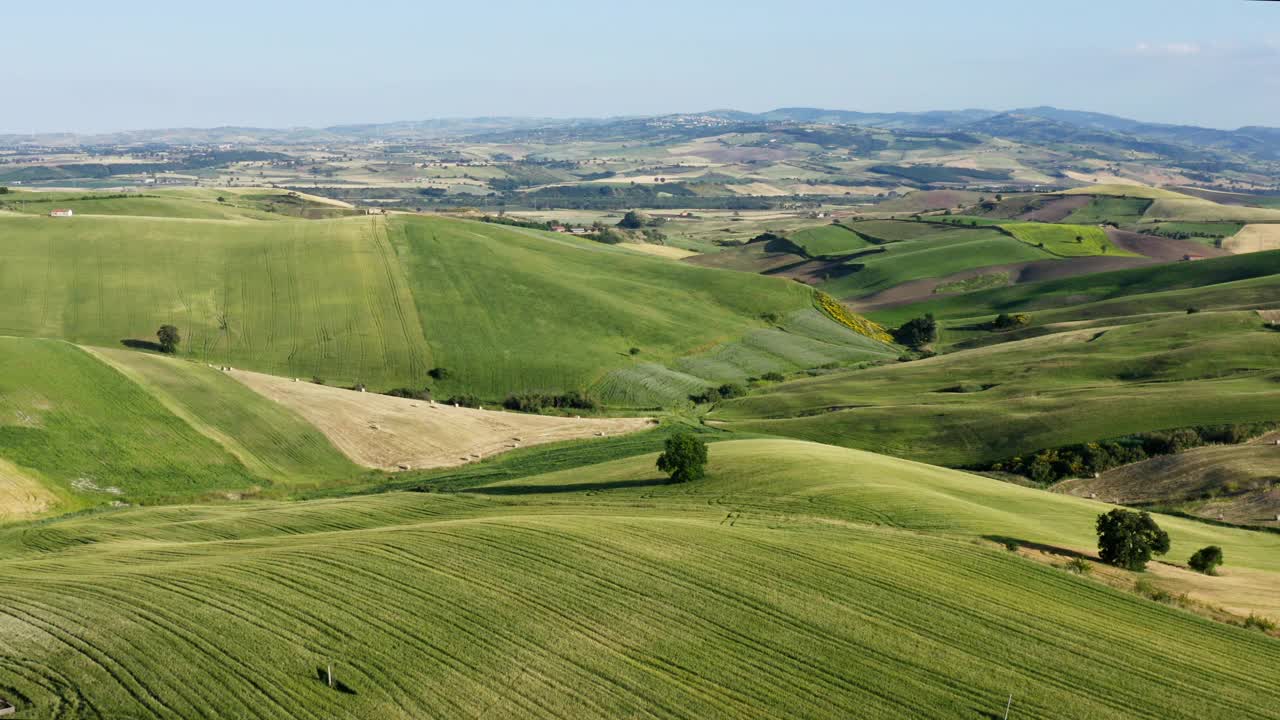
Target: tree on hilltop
{"x":1127,"y":539}
{"x":169,"y":338}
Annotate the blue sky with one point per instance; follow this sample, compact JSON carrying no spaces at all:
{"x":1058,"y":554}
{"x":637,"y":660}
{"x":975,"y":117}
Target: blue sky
{"x":77,"y":65}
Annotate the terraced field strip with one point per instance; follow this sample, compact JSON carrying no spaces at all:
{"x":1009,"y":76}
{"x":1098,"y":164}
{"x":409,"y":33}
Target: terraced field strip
{"x":390,"y":433}
{"x":272,"y":441}
{"x":96,"y":437}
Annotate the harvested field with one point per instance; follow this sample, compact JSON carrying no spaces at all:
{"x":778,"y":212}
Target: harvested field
{"x":20,"y":496}
{"x":1254,"y":238}
{"x":666,"y":251}
{"x":390,"y":433}
{"x":1160,"y":248}
{"x":1056,"y":210}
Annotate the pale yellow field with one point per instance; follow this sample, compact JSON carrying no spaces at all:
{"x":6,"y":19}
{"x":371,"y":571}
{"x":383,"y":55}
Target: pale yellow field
{"x":1254,"y":238}
{"x":21,"y":496}
{"x":666,"y":251}
{"x":389,"y":433}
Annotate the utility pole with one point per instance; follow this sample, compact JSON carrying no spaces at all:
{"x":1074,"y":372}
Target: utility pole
{"x":1006,"y":712}
{"x":1006,"y":706}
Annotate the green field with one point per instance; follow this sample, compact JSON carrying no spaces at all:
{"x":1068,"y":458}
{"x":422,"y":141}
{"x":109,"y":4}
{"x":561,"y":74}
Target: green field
{"x":598,"y":593}
{"x":828,"y":240}
{"x":1109,"y":209}
{"x":927,"y":256}
{"x":1244,"y":280}
{"x":373,"y":300}
{"x":148,"y":429}
{"x":887,"y":231}
{"x":992,"y":403}
{"x":1065,"y":240}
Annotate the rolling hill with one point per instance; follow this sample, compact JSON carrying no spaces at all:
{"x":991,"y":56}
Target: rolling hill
{"x":1080,"y":384}
{"x":559,"y":596}
{"x":372,"y":300}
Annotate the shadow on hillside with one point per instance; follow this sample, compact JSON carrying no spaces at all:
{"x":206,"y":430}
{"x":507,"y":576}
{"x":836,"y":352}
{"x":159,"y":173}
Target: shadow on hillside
{"x":142,"y":345}
{"x":1042,"y":547}
{"x":573,"y":487}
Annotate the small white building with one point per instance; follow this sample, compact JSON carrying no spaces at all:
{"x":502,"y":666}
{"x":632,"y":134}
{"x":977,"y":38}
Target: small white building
{"x":61,"y":212}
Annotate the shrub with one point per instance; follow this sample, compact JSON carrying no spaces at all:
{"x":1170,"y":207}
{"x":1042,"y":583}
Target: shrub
{"x":439,"y":373}
{"x":317,"y":380}
{"x":634,"y":351}
{"x":716,"y":394}
{"x":1258,"y":622}
{"x":1149,"y":590}
{"x":1128,"y":539}
{"x":1206,"y":560}
{"x":410,"y":393}
{"x":918,"y":332}
{"x":1005,"y":321}
{"x":1012,"y":545}
{"x":773,"y":376}
{"x":470,"y":401}
{"x":1193,"y":310}
{"x":537,"y":402}
{"x":1079,"y":566}
{"x":684,"y":457}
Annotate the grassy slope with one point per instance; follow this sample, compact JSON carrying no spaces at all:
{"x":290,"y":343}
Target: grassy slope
{"x":828,"y":240}
{"x":271,"y":441}
{"x":1109,"y":209}
{"x":507,"y":309}
{"x":373,"y":300}
{"x":292,"y":297}
{"x":786,"y":604}
{"x":1239,"y":483}
{"x":1093,"y":288}
{"x":84,"y":428}
{"x":1058,"y":390}
{"x":932,"y":255}
{"x":1065,"y":240}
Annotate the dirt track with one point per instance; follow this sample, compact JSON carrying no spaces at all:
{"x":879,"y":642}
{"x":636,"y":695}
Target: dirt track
{"x":390,"y":433}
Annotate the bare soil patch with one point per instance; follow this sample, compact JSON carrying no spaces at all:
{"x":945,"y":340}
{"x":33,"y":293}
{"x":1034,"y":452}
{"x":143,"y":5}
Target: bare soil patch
{"x":1057,"y":209}
{"x":389,"y":433}
{"x":1160,"y":248}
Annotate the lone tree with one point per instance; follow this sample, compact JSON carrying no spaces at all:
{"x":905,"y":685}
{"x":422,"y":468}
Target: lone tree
{"x":1128,"y":539}
{"x":685,"y":457}
{"x":1206,"y":560}
{"x":169,"y":338}
{"x":918,"y":332}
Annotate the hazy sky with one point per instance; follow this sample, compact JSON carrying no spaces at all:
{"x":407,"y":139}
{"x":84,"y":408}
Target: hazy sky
{"x":84,"y":65}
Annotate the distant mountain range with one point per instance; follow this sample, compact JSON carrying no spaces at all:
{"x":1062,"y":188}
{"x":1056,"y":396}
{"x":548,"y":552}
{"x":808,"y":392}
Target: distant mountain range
{"x":1037,"y":125}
